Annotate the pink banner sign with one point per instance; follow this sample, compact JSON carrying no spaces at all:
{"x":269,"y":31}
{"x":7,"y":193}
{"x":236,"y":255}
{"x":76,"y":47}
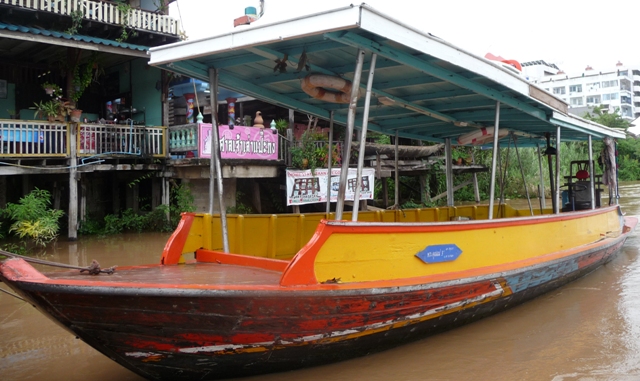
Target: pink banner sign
{"x":240,"y":143}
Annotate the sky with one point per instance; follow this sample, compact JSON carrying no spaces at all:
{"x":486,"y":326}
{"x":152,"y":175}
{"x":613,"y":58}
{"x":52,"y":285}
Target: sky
{"x":570,"y":33}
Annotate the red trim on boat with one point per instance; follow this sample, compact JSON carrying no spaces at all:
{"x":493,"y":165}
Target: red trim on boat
{"x":173,"y":249}
{"x":203,"y":255}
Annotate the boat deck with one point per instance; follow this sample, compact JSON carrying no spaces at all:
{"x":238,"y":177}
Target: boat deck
{"x":185,"y":274}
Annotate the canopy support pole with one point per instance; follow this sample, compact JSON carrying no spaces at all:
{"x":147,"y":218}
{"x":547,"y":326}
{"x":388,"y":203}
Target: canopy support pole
{"x":215,"y":157}
{"x":476,"y":189}
{"x":448,"y":171}
{"x":351,"y":118}
{"x":396,"y":188}
{"x":363,"y":138}
{"x":557,"y":189}
{"x":214,"y":116}
{"x":329,"y":162}
{"x":541,"y":185}
{"x":592,"y":182}
{"x":494,"y":160}
{"x":524,"y":181}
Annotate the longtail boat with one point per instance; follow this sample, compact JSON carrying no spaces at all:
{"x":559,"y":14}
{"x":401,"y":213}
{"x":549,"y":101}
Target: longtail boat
{"x":242,"y":295}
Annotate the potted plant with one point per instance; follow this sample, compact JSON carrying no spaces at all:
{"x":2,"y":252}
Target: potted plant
{"x":52,"y":89}
{"x":13,"y":114}
{"x":49,"y":110}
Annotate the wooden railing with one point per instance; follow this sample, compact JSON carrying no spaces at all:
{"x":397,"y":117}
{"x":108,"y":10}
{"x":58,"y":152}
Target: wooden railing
{"x":116,"y":140}
{"x":31,"y":138}
{"x":105,"y":12}
{"x":24,"y":138}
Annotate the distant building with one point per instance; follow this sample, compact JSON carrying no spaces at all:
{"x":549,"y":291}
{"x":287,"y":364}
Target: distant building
{"x":616,"y":88}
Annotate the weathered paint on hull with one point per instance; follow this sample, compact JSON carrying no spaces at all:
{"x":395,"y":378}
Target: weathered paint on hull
{"x":207,"y":334}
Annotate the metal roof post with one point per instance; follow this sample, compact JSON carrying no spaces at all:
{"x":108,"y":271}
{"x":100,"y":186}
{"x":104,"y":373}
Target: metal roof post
{"x":448,"y":171}
{"x":215,"y":156}
{"x":494,"y":160}
{"x":557,"y":188}
{"x":541,"y":185}
{"x":353,"y":103}
{"x":363,"y":139}
{"x":592,"y":174}
{"x":329,"y":160}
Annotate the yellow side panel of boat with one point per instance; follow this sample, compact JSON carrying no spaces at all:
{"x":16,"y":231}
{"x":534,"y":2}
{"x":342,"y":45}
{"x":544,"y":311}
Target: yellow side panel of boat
{"x":362,"y":256}
{"x":281,"y":236}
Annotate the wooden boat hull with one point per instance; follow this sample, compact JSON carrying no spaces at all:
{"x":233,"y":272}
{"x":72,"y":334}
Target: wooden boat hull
{"x":199,"y":332}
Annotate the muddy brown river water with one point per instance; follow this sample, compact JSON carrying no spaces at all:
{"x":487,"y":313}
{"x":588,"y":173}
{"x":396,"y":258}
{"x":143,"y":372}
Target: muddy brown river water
{"x":588,"y":330}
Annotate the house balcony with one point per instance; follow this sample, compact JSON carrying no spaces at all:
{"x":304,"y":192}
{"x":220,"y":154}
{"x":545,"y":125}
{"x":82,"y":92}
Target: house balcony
{"x":41,"y":139}
{"x":103,"y":12}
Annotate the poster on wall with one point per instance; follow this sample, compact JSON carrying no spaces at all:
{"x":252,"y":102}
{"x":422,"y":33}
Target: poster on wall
{"x":240,"y":143}
{"x":304,"y":187}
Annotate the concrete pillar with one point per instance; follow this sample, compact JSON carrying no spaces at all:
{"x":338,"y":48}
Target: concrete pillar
{"x":423,"y":189}
{"x":83,"y":197}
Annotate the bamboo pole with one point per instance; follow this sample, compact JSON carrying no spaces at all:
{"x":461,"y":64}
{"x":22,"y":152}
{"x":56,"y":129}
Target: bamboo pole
{"x":363,"y":138}
{"x":351,"y":117}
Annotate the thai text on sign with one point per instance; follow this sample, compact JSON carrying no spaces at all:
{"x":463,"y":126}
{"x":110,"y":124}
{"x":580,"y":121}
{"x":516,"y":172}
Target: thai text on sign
{"x":240,"y":142}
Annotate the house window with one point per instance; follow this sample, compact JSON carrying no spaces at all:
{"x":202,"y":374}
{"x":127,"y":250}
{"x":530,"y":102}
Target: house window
{"x":611,"y":83}
{"x":575,"y":89}
{"x":607,"y":97}
{"x":593,"y":86}
{"x":559,"y":90}
{"x":593,"y":99}
{"x":576,"y":101}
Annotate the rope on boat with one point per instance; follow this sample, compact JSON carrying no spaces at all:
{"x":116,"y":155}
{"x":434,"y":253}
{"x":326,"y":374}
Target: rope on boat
{"x":92,"y":269}
{"x":12,"y":294}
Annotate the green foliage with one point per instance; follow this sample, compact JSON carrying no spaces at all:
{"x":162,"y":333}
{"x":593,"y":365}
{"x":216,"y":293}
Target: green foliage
{"x":76,"y":22}
{"x":83,"y":75}
{"x":307,"y":154}
{"x":33,"y":219}
{"x":378,"y":137}
{"x":281,"y":126}
{"x":125,"y":14}
{"x":241,"y":207}
{"x":129,"y":221}
{"x":614,"y":120}
{"x":47,"y":109}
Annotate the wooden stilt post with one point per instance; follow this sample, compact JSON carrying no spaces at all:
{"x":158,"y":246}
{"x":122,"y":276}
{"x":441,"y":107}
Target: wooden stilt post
{"x":73,"y":183}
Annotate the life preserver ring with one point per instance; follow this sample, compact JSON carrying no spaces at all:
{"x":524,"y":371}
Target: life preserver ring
{"x":316,"y":85}
{"x":481,"y":136}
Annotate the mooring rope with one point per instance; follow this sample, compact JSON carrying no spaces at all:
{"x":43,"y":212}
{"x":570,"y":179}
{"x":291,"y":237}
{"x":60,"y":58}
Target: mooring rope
{"x":93,"y":268}
{"x":12,"y":294}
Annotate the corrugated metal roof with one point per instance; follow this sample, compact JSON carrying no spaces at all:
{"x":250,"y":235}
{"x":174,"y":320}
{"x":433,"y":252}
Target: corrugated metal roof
{"x":423,"y":87}
{"x":74,"y":37}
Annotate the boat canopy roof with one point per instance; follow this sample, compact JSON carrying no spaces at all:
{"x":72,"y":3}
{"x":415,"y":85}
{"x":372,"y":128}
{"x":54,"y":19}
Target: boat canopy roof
{"x":424,"y":88}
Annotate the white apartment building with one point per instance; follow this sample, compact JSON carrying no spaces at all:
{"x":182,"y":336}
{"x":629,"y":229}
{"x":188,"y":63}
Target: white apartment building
{"x":618,"y":88}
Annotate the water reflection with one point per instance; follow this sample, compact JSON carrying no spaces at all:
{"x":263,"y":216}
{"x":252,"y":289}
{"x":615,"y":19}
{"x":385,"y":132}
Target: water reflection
{"x":586,"y":331}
